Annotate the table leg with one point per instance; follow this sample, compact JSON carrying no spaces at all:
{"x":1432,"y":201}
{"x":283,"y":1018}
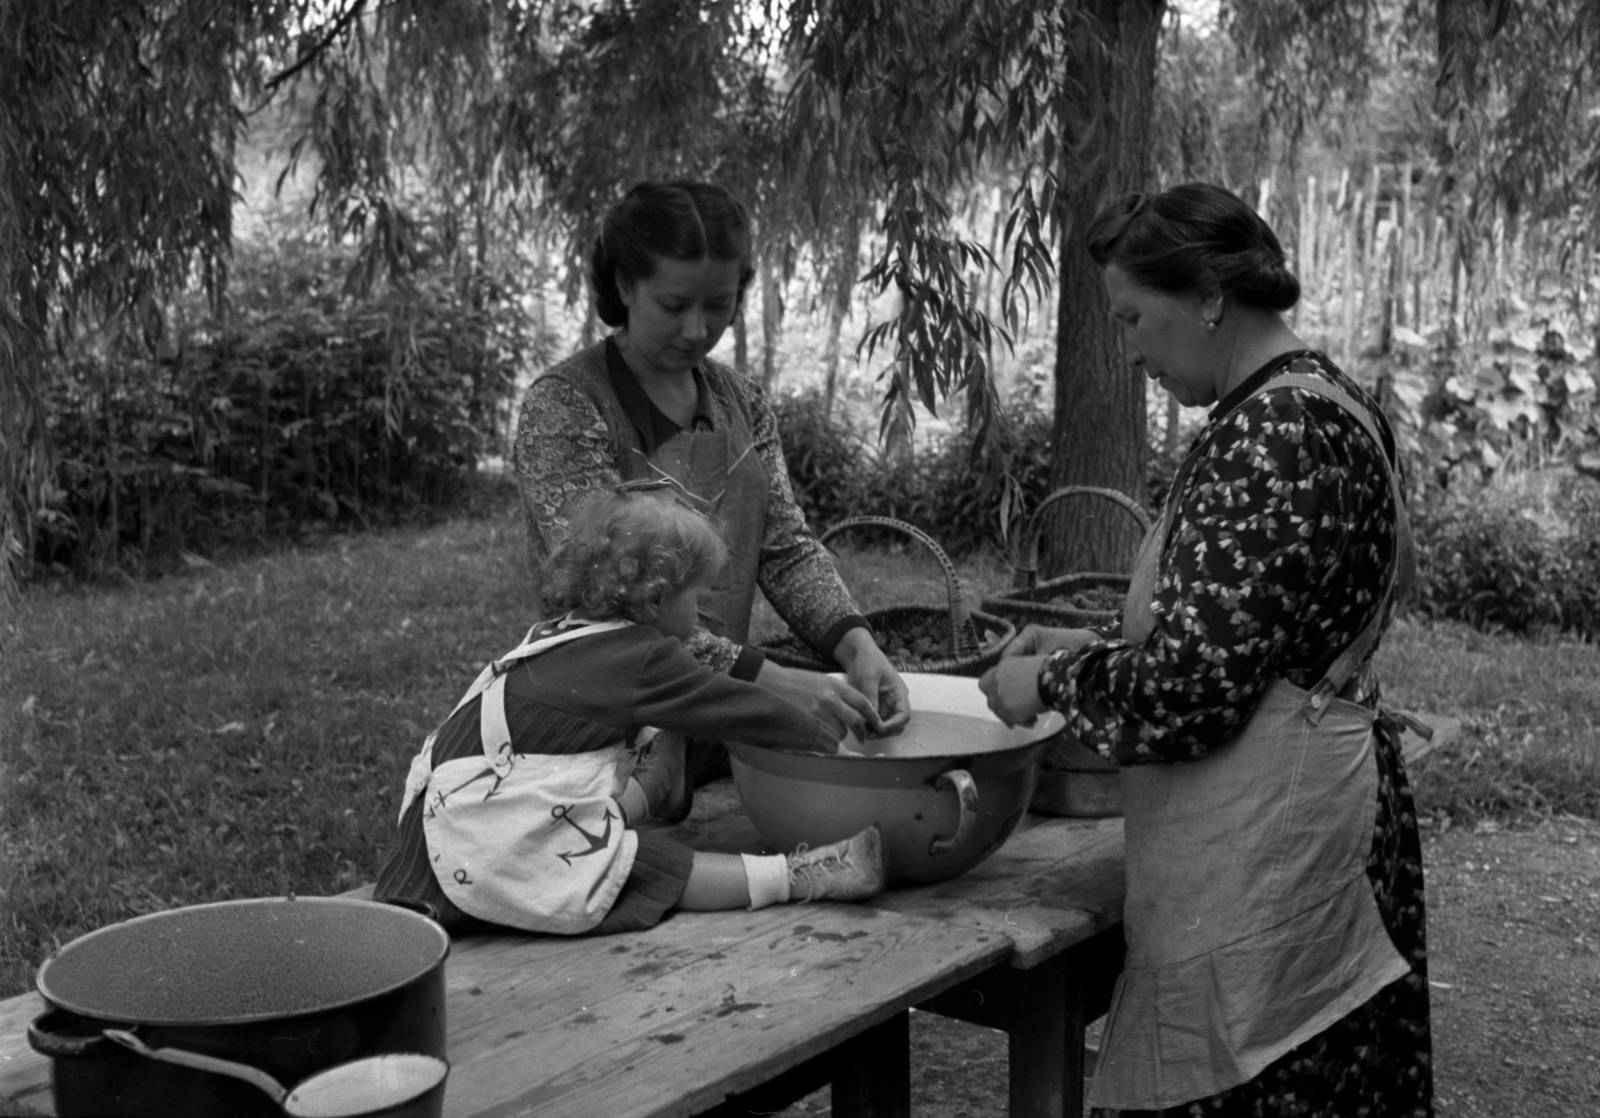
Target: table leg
{"x":1043,"y":1011}
{"x":872,"y":1078}
{"x":870,"y":1075}
{"x":1045,"y":1044}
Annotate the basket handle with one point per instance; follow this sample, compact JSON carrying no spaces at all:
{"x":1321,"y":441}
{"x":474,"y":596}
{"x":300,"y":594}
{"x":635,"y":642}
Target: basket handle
{"x":963,"y":633}
{"x":1026,"y":572}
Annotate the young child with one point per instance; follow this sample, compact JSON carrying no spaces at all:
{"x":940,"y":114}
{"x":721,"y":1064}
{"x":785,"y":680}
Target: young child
{"x":521,"y":808}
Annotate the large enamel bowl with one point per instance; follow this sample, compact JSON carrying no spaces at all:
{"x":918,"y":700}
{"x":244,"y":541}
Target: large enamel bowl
{"x":948,"y":791}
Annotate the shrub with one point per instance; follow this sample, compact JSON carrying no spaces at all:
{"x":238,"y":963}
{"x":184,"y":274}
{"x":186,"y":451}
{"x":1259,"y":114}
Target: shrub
{"x":936,"y":484}
{"x":825,"y":455}
{"x":1500,"y":565}
{"x":304,"y":406}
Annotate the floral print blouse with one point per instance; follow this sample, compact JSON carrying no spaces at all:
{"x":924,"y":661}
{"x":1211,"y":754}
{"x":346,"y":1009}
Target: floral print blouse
{"x":1279,"y":555}
{"x":564,"y":450}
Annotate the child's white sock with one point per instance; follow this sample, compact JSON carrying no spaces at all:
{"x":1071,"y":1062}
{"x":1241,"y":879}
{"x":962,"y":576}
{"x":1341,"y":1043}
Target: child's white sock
{"x":634,"y":803}
{"x":768,"y":878}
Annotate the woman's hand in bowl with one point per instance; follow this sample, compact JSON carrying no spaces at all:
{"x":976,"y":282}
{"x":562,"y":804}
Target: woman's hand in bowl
{"x":1012,"y":689}
{"x":870,"y":673}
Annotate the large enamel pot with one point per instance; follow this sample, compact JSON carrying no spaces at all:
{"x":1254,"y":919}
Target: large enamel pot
{"x":289,"y":986}
{"x":948,"y":791}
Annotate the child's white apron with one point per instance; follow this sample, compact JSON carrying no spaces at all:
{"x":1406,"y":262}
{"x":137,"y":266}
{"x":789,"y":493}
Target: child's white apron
{"x":531,"y":841}
{"x":1250,"y":922}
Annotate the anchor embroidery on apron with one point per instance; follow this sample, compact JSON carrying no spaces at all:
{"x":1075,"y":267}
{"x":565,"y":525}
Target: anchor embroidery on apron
{"x":563,"y":813}
{"x":491,"y":856}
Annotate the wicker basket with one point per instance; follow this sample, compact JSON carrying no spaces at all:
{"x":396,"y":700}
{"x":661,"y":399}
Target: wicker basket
{"x":973,"y":640}
{"x":1031,"y":602}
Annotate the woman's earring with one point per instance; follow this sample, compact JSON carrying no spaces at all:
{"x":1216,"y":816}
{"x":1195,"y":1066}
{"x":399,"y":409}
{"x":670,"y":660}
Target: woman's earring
{"x":1211,"y":324}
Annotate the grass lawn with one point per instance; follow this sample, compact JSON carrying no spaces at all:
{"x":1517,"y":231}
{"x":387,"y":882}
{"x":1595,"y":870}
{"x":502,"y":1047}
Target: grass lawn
{"x":243,"y":730}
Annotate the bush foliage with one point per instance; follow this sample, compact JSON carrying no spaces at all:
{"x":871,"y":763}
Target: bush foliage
{"x":1505,"y":566}
{"x":302,"y":405}
{"x":936,"y":483}
{"x":1498,"y":564}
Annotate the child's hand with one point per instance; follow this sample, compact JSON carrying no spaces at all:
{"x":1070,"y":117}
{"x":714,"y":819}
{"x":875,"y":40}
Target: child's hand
{"x":833,"y":702}
{"x":856,"y":747}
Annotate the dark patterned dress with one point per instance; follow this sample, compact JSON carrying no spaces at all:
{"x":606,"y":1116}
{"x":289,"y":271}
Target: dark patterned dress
{"x":1273,"y":573}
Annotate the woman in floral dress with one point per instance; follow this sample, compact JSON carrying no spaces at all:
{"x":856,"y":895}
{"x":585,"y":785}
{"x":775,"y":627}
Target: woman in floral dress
{"x":1275,"y":921}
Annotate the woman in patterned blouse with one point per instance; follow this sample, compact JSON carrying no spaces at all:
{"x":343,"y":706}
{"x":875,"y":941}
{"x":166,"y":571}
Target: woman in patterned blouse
{"x":648,"y":403}
{"x":1275,"y":920}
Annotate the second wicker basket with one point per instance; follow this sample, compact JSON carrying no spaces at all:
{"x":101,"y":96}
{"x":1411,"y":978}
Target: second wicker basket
{"x":1072,"y":601}
{"x":953,"y":640}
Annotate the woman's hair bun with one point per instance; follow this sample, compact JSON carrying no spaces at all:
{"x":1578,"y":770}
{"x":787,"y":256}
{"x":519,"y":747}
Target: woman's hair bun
{"x":1264,"y":280}
{"x":1192,"y":236}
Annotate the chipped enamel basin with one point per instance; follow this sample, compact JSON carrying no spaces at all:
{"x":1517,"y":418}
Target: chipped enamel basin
{"x":948,"y":791}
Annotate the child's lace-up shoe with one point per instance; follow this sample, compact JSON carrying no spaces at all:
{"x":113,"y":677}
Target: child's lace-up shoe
{"x":850,"y":870}
{"x":662,"y":770}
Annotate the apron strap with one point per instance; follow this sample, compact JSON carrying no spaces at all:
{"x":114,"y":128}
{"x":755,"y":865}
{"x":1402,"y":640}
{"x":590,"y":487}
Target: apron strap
{"x":1318,"y":699}
{"x":1343,"y":669}
{"x":492,"y":726}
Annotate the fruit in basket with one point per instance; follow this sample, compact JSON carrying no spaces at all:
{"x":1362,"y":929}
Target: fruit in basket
{"x":1103,"y":598}
{"x":906,"y":640}
{"x":924,"y":640}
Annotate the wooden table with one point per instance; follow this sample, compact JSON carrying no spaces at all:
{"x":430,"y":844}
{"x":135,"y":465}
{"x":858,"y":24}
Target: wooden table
{"x":738,"y":1013}
{"x":1054,"y":891}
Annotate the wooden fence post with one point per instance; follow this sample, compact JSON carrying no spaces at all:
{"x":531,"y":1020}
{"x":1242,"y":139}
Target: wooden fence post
{"x":1402,"y":249}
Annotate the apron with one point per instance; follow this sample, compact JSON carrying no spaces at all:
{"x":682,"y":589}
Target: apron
{"x":527,"y":840}
{"x":725,"y":474}
{"x":1250,"y":922}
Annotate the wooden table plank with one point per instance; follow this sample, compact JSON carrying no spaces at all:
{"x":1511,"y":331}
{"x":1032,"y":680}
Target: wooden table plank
{"x":657,"y":1023}
{"x":24,"y":1074}
{"x":727,"y":1001}
{"x":1054,"y":883}
{"x":665,"y":1022}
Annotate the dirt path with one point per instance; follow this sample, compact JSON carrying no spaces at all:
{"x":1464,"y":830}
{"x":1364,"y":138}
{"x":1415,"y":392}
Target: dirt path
{"x":1514,"y":930}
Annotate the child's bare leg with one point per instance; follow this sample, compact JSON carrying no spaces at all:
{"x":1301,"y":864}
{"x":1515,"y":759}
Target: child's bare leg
{"x":716,"y":882}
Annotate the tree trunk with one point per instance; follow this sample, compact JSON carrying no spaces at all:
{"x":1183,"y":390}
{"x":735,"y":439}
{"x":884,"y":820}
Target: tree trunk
{"x":1174,"y":440}
{"x":771,"y":318}
{"x":1100,"y":421}
{"x":843,"y":287}
{"x":741,"y":343}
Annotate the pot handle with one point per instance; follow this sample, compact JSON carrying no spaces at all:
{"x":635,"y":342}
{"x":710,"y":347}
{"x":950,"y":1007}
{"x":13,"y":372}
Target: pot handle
{"x":966,"y":802}
{"x":199,"y":1060}
{"x":421,"y":908}
{"x":62,"y":1046}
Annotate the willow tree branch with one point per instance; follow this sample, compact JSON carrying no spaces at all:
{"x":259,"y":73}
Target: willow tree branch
{"x":346,"y":18}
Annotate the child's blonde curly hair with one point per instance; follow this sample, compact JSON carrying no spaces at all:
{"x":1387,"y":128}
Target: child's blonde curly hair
{"x":626,"y":552}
